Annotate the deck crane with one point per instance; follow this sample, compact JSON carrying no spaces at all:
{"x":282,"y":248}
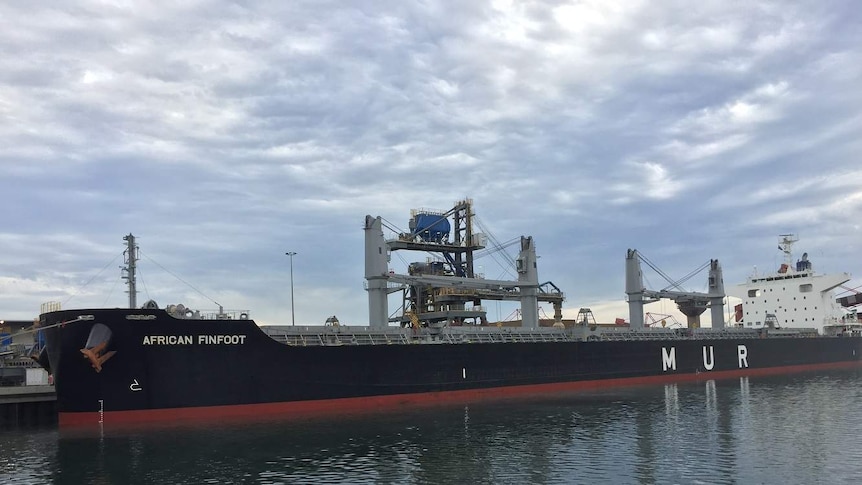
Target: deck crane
{"x":692,"y":304}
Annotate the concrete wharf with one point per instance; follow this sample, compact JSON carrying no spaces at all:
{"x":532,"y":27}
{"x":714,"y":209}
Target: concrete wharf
{"x":27,"y":405}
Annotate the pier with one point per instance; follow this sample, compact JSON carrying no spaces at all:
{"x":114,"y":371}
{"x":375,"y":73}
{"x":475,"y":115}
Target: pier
{"x":27,"y":405}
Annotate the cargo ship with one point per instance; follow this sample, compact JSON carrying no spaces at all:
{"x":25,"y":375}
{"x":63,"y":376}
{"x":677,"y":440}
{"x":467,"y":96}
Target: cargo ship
{"x":146,"y":363}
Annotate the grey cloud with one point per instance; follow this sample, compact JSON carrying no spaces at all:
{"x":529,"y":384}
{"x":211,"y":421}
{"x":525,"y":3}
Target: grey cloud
{"x":226,"y":133}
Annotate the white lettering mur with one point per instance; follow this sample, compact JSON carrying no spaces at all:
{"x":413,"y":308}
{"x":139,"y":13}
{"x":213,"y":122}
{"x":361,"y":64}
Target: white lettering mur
{"x":742,"y":352}
{"x":668,"y":358}
{"x":709,"y":363}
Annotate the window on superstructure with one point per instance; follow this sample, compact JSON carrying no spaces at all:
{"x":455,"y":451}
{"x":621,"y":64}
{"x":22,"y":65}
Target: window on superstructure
{"x":753,"y":293}
{"x":806,"y":288}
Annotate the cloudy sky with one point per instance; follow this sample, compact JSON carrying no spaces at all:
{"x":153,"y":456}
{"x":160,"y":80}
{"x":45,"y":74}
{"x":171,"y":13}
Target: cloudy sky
{"x":224,"y":133}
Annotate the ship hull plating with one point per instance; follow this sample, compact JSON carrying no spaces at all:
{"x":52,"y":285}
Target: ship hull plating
{"x":163,"y":368}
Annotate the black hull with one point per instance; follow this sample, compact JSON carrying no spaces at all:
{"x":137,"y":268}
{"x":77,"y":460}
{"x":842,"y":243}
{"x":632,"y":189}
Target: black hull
{"x":159,"y":363}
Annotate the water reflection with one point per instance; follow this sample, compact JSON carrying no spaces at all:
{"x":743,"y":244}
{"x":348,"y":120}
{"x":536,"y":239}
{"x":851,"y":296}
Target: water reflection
{"x":764,"y":430}
{"x":671,"y":400}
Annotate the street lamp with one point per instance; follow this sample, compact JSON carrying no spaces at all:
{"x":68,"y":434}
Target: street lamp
{"x":292,"y":314}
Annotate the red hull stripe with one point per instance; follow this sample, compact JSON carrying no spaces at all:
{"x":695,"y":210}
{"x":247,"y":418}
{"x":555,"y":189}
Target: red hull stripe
{"x":353,"y":404}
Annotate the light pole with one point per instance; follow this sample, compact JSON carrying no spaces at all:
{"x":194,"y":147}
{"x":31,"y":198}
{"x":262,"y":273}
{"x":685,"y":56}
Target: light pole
{"x":292,"y":314}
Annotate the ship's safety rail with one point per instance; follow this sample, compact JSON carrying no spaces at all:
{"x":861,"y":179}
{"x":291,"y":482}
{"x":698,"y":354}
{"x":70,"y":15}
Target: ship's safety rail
{"x":791,"y":332}
{"x":309,"y":336}
{"x":320,"y":336}
{"x":674,"y":334}
{"x":324,"y":336}
{"x":630,"y":334}
{"x":724,"y":333}
{"x":474,"y":334}
{"x":699,"y":333}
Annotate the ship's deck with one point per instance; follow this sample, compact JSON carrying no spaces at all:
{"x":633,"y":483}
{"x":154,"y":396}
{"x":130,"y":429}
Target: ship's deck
{"x":354,"y":335}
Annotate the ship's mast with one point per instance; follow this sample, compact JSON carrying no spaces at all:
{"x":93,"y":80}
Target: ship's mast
{"x":786,"y":246}
{"x":131,"y":258}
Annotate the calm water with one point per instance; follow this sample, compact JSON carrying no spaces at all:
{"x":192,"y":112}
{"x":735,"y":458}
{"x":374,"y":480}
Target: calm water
{"x":802,"y":429}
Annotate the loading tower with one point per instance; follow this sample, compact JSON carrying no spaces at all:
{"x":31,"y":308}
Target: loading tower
{"x":445,"y":289}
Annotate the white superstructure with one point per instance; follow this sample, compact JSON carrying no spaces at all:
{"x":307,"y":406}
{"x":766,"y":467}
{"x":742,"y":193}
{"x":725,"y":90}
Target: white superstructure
{"x":792,"y":297}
